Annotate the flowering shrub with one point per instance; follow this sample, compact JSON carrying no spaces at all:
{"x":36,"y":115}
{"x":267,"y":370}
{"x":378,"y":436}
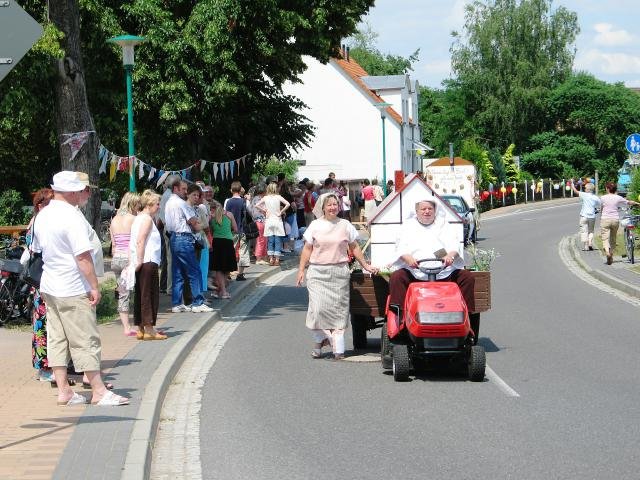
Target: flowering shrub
{"x":481,"y":259}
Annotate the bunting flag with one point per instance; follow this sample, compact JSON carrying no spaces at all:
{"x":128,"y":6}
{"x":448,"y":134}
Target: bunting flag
{"x":111,"y":163}
{"x":112,"y":169}
{"x":76,"y":141}
{"x":163,"y":177}
{"x":103,"y":156}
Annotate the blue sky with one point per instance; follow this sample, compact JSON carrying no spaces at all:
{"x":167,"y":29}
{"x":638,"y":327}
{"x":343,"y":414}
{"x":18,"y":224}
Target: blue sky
{"x":607,"y":46}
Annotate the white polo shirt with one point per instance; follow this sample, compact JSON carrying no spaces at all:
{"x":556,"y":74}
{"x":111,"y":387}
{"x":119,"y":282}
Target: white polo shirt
{"x":61,"y":235}
{"x":176,"y":214}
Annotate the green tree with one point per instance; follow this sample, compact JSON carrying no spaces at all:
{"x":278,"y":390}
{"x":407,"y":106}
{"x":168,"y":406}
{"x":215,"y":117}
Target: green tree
{"x":511,"y":169}
{"x":554,"y":155}
{"x":513,"y":53}
{"x":473,"y":152}
{"x":600,"y":113}
{"x":207,"y":82}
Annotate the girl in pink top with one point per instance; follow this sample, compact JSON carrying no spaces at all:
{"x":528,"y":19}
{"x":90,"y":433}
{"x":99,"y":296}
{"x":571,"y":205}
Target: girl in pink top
{"x":327,"y":243}
{"x":610,"y":219}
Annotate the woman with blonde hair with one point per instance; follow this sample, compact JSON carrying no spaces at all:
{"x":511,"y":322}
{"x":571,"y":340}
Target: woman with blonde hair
{"x":328,"y":241}
{"x":120,"y":231}
{"x":223,"y":255}
{"x":144,"y":251}
{"x":271,"y":206}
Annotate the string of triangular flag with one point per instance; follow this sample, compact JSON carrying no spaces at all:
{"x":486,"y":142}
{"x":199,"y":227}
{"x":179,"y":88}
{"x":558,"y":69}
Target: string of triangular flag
{"x":76,"y":141}
{"x":225,"y":171}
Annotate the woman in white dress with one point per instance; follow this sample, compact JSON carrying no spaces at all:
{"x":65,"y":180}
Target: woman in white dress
{"x":273,"y":206}
{"x":328,"y":241}
{"x":144,"y":249}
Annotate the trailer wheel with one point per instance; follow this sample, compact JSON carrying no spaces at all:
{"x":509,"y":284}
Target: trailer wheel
{"x":359,"y":325}
{"x":385,"y":349}
{"x":401,"y":363}
{"x":477,"y":363}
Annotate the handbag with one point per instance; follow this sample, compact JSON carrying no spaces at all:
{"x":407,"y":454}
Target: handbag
{"x":33,"y":271}
{"x":249,"y":227}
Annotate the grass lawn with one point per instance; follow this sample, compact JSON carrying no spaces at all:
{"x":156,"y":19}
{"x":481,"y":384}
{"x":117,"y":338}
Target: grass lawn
{"x":107,"y":310}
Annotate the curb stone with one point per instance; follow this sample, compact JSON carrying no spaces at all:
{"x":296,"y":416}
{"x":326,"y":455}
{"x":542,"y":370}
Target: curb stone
{"x":610,"y":280}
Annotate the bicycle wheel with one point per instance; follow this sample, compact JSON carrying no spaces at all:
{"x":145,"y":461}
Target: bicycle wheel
{"x":630,"y":245}
{"x":6,"y":302}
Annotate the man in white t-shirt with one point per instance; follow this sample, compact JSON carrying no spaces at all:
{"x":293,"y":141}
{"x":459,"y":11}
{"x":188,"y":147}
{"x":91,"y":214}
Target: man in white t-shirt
{"x":69,"y":287}
{"x":180,"y":222}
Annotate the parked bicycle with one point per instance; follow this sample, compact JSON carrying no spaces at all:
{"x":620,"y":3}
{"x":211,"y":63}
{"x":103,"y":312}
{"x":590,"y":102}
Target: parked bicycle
{"x":16,"y":295}
{"x":629,"y":222}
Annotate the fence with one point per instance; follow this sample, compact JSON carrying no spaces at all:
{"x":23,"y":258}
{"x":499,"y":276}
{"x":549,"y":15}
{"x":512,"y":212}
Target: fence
{"x":527,"y":191}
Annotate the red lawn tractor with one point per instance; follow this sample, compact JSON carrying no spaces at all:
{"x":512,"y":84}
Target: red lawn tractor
{"x":433,"y":324}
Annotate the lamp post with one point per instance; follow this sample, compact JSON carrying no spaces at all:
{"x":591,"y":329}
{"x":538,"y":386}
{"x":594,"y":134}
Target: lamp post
{"x":127,"y":42}
{"x":382,"y":106}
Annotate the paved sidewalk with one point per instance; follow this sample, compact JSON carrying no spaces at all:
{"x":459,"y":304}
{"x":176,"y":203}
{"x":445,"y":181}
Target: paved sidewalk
{"x":39,"y":440}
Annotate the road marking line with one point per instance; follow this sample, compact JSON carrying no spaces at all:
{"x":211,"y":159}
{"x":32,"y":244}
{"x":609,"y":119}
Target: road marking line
{"x":501,"y":384}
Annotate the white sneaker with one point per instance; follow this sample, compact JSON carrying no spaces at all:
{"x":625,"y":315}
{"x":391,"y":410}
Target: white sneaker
{"x":180,"y":309}
{"x":201,"y":309}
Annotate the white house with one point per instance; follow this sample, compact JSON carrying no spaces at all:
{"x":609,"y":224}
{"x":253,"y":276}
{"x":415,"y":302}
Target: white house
{"x":396,"y":208}
{"x":342,"y":109}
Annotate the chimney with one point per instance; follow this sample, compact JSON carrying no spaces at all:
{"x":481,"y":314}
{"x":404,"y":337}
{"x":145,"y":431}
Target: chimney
{"x":399,"y":180}
{"x":344,"y":51}
{"x":348,"y":48}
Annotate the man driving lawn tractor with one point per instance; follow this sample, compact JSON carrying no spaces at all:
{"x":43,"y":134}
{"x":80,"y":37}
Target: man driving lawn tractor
{"x":423,"y":237}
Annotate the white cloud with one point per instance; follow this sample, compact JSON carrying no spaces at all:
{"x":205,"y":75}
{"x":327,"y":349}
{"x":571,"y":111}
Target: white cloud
{"x":633,"y":83}
{"x":596,"y":61}
{"x":608,"y":37}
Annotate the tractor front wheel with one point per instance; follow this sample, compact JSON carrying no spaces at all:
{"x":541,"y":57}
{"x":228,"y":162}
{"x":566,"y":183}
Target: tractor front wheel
{"x":401,"y":363}
{"x":385,"y":349}
{"x":477,"y":363}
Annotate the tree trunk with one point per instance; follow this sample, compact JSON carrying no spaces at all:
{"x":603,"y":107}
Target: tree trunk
{"x":72,"y":107}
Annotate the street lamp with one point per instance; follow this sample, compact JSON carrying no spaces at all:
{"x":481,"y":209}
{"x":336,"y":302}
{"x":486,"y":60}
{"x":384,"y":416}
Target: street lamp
{"x":382,"y":106}
{"x":127,"y":42}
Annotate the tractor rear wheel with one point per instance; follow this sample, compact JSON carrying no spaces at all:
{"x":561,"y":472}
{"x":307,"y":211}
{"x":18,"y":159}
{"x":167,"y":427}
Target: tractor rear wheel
{"x":401,"y":363}
{"x":477,"y":363}
{"x":385,"y":349}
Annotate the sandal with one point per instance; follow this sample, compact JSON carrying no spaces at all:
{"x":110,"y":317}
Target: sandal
{"x":226,"y":295}
{"x":76,"y":399}
{"x":157,"y":336}
{"x":110,"y":399}
{"x":316,"y":353}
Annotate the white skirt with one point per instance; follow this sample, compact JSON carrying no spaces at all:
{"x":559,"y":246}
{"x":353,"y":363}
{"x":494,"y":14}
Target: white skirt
{"x":273,"y":226}
{"x":328,"y":287}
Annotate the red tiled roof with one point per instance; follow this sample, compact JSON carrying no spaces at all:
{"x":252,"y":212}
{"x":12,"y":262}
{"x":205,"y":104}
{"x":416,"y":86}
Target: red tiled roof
{"x":355,"y":71}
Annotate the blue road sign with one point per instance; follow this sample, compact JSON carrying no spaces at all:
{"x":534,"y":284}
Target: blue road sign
{"x":633,"y":143}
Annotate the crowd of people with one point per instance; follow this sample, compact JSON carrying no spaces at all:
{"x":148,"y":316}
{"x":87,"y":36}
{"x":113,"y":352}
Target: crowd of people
{"x":185,"y":244}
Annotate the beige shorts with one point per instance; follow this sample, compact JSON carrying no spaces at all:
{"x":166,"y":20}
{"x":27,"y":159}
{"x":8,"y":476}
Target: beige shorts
{"x":72,"y":332}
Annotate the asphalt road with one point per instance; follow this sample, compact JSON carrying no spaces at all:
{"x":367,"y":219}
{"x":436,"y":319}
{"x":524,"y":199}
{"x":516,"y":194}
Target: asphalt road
{"x":570,"y":351}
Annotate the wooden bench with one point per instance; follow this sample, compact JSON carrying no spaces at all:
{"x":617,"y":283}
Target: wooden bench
{"x":11,"y":229}
{"x":368,"y":294}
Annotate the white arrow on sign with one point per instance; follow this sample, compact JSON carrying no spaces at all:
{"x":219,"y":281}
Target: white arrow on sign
{"x":18,"y":33}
